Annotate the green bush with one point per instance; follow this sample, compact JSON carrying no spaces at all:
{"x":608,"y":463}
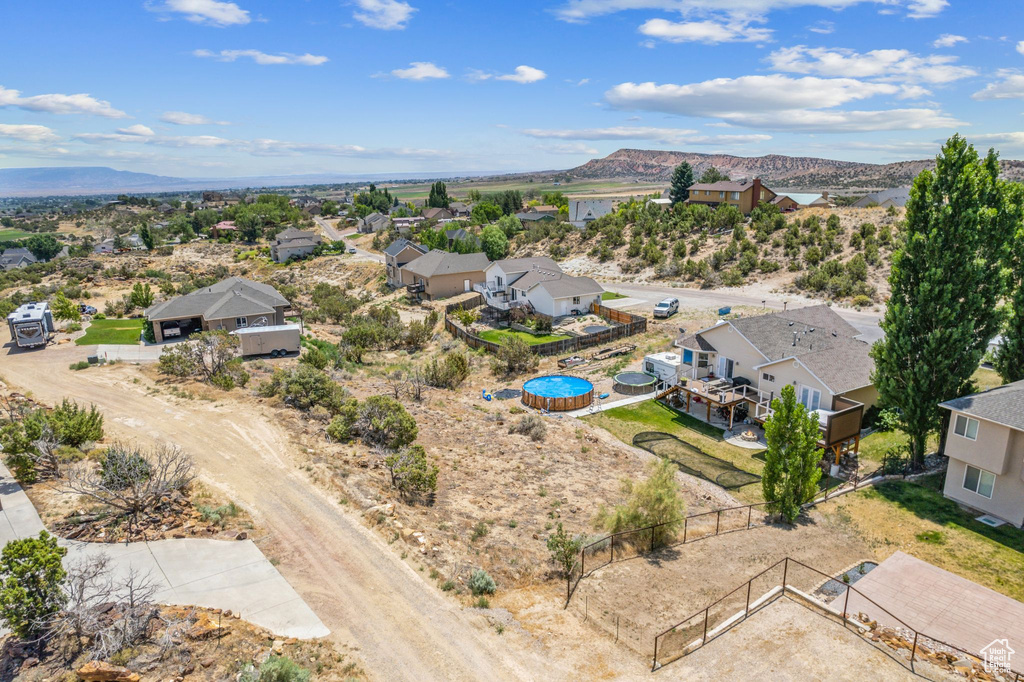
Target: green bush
{"x":305,"y":387}
{"x":411,"y":472}
{"x":315,"y":357}
{"x":481,"y":583}
{"x":282,"y":669}
{"x":514,"y":357}
{"x":81,"y":364}
{"x":449,"y":372}
{"x":531,"y":425}
{"x":122,"y":468}
{"x":74,"y":425}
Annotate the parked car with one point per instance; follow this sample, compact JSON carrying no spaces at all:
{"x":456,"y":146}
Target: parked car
{"x":351,"y":249}
{"x":667,"y":307}
{"x":86,"y":309}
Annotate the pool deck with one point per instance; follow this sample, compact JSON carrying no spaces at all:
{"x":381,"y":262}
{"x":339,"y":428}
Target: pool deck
{"x":601,"y":405}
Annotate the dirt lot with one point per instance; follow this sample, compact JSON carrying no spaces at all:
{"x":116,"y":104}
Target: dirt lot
{"x":646,"y":595}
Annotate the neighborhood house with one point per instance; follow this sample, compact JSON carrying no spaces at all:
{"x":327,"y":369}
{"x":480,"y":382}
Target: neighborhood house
{"x":233,"y":303}
{"x":537,"y":283}
{"x":582,"y":212}
{"x":293,"y":243}
{"x":437,"y":274}
{"x":812,"y":349}
{"x":985,"y":445}
{"x":743,"y":194}
{"x":399,"y":253}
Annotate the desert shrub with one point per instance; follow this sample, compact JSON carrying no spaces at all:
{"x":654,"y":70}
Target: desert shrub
{"x":514,"y":357}
{"x":80,"y":365}
{"x":465,"y":317}
{"x":542,"y":325}
{"x":282,"y":669}
{"x":411,"y":472}
{"x":120,"y":467}
{"x":305,"y":387}
{"x":315,"y":357}
{"x":74,"y":425}
{"x":385,"y":422}
{"x":210,"y":357}
{"x":531,"y":425}
{"x":481,"y":583}
{"x":448,"y":372}
{"x":657,"y":500}
{"x":861,"y":300}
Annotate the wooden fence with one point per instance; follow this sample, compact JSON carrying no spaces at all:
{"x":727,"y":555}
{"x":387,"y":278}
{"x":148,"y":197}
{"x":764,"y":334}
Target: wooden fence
{"x":626,"y":324}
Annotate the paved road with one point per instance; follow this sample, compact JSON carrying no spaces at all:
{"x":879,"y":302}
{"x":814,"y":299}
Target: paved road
{"x":865,"y":321}
{"x":219,"y":574}
{"x":336,"y":235}
{"x":402,"y":627}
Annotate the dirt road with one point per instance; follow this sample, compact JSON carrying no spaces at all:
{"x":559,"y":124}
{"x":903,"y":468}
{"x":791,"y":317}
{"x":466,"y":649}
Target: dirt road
{"x":402,"y":628}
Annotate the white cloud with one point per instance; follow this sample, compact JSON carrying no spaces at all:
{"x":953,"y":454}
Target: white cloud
{"x":948,"y":40}
{"x":663,"y":135}
{"x":419,"y":71}
{"x":778,"y":102}
{"x":568,"y":148}
{"x":823,"y":27}
{"x":708,"y":32}
{"x":181,"y":118}
{"x":59,"y":104}
{"x":925,"y":9}
{"x":897,"y":65}
{"x":1010,"y":87}
{"x":28,"y":133}
{"x":1020,"y":47}
{"x":263,"y":57}
{"x":211,"y":12}
{"x":387,"y":15}
{"x":1015,"y":139}
{"x":137,"y":129}
{"x":577,"y":11}
{"x":523,"y":74}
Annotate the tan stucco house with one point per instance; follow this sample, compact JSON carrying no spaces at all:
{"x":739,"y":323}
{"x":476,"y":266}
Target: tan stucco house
{"x":812,"y":349}
{"x":233,"y":303}
{"x":397,"y":255}
{"x":439,"y":274}
{"x":985,"y":445}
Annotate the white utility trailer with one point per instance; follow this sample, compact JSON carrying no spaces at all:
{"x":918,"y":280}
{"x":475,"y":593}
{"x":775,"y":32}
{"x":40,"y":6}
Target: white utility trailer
{"x":31,"y":325}
{"x":274,"y":340}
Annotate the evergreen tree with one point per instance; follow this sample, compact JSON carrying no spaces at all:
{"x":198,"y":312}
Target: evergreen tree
{"x":711,"y":175}
{"x":682,"y":178}
{"x":494,"y":242}
{"x":946,"y":282}
{"x":31,"y":575}
{"x":146,"y":235}
{"x":791,"y":470}
{"x":438,"y":197}
{"x":1008,"y":360}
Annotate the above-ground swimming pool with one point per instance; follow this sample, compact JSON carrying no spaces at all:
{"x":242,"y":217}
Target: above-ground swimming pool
{"x":635,"y":383}
{"x":557,"y":393}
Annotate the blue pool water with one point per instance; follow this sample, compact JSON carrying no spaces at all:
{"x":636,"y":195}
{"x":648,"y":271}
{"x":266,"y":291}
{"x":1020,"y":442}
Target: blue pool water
{"x":558,"y":386}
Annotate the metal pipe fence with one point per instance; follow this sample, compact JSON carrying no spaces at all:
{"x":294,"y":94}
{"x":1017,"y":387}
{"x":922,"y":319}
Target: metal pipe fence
{"x":925,"y":656}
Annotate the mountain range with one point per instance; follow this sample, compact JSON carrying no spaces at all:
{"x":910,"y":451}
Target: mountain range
{"x":790,"y":172}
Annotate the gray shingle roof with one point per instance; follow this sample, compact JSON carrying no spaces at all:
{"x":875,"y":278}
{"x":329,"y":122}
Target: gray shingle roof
{"x":899,"y":196}
{"x":291,"y":235}
{"x":437,"y":262}
{"x":513,"y":265}
{"x":232,"y":297}
{"x":567,"y":285}
{"x":1004,"y":404}
{"x":817,"y":335}
{"x":698,"y":342}
{"x":396,"y":247}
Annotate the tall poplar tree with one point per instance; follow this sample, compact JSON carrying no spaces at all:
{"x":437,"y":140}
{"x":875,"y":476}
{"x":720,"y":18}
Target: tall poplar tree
{"x":682,"y":178}
{"x":1009,"y":360}
{"x":791,"y":470}
{"x":438,"y":197}
{"x":947,"y":280}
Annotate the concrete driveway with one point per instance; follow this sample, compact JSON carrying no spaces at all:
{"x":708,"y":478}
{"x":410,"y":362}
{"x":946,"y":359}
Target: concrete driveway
{"x":212,"y":573}
{"x":129,"y":352}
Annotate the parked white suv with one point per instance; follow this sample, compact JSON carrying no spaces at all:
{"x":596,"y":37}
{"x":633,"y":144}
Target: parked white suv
{"x":667,"y":307}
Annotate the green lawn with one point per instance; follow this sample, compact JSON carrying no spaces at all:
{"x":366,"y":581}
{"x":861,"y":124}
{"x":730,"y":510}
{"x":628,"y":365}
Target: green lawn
{"x":986,"y":379}
{"x":914,"y":517}
{"x":499,"y":335}
{"x":11,"y":235}
{"x":651,"y":415}
{"x":111,"y":331}
{"x":611,"y":296}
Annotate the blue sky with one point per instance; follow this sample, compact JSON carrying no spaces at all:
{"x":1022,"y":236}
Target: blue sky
{"x":214,"y":89}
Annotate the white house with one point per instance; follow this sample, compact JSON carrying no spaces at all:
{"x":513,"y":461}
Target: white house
{"x":582,"y":212}
{"x":539,"y":283}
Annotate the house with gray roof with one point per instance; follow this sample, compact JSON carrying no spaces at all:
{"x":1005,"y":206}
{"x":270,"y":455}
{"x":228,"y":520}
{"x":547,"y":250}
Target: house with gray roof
{"x":582,"y":212}
{"x":375,"y":222}
{"x":293,"y":243}
{"x":985,"y":445}
{"x":538,"y":283}
{"x":439,"y":274}
{"x":17,"y":257}
{"x":233,"y":303}
{"x":812,"y":349}
{"x":888,"y":197}
{"x":397,"y":255}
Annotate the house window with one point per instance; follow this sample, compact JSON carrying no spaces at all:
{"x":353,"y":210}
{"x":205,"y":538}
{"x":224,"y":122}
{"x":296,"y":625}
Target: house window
{"x":810,"y":398}
{"x":241,"y":322}
{"x":721,"y":195}
{"x":575,"y":300}
{"x":707,"y":192}
{"x":497,"y":280}
{"x":765,"y":376}
{"x":966,"y":427}
{"x":979,"y":481}
{"x":735,"y":196}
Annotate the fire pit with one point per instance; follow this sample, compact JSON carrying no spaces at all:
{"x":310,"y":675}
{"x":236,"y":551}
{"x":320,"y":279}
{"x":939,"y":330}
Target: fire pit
{"x":749,"y":436}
